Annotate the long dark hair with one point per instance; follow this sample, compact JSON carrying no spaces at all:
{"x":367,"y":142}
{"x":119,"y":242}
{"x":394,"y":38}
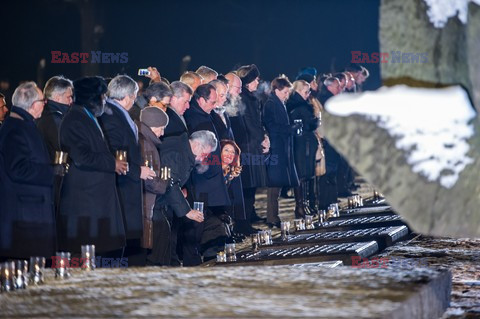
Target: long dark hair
{"x":234,"y":169}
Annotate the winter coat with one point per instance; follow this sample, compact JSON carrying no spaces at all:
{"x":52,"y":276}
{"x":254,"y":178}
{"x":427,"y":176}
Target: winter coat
{"x":120,"y":136}
{"x":249,"y":132}
{"x":210,"y":185}
{"x":176,"y":126}
{"x":89,"y":211}
{"x":281,"y":166}
{"x":176,"y":154}
{"x":305,"y":145}
{"x":152,"y":187}
{"x":49,"y":123}
{"x":234,"y":187}
{"x":27,"y":219}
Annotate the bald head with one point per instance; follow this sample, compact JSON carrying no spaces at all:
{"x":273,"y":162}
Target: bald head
{"x":234,"y":84}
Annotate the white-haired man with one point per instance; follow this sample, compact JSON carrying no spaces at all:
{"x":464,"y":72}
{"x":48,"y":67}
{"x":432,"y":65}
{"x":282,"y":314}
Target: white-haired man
{"x":121,"y":134}
{"x":27,"y":225}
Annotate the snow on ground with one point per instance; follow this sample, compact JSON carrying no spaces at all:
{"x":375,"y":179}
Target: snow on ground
{"x":431,"y":125}
{"x":439,"y":11}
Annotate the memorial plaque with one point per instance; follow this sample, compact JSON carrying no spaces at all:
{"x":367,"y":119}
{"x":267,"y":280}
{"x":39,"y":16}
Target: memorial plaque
{"x":353,"y":222}
{"x":367,"y":210}
{"x":384,"y":236}
{"x":300,"y":254}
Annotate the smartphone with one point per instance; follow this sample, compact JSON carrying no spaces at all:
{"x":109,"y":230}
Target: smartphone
{"x":143,"y":72}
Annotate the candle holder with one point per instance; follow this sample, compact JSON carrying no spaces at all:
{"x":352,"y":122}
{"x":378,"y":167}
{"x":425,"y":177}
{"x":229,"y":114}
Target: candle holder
{"x":88,"y":257}
{"x":230,"y":252}
{"x":7,"y":278}
{"x":322,"y":216}
{"x":255,"y":238}
{"x":63,"y":263}
{"x":285,"y":230}
{"x":298,"y":224}
{"x":221,"y":257}
{"x":60,"y":158}
{"x":21,"y":271}
{"x":36,"y":270}
{"x":148,"y":160}
{"x":121,"y":155}
{"x":309,"y":222}
{"x":198,"y":206}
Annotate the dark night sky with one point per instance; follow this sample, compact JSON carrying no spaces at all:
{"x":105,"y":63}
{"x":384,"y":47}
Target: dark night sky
{"x":279,"y":36}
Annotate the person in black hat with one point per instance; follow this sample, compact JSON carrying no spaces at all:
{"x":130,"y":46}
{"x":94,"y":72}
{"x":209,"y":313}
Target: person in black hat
{"x":252,"y":139}
{"x":89,"y":210}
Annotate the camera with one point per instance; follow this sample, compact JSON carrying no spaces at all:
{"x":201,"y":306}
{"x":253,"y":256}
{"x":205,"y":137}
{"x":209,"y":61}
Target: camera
{"x":143,"y":72}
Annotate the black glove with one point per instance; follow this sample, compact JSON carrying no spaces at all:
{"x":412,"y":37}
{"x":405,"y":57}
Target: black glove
{"x":294,"y":127}
{"x":60,"y":169}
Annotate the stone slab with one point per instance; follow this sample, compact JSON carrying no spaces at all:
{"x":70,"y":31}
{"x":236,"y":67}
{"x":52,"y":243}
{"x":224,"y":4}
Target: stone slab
{"x":236,"y":292}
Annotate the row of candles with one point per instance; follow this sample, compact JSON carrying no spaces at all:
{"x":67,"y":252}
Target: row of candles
{"x":163,"y":173}
{"x":16,"y":274}
{"x":264,"y":237}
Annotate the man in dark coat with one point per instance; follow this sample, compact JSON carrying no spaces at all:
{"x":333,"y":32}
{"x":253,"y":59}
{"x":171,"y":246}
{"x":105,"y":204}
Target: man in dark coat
{"x":179,"y":103}
{"x":182,"y":161}
{"x":27,"y":226}
{"x":89,"y":211}
{"x":251,"y":137}
{"x":59,"y":94}
{"x":281,"y":166}
{"x":121,"y":134}
{"x":221,"y":122}
{"x":209,"y":185}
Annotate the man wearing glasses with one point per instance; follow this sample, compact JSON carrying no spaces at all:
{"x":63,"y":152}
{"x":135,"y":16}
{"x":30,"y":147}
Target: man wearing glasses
{"x":26,"y":210}
{"x":3,"y":108}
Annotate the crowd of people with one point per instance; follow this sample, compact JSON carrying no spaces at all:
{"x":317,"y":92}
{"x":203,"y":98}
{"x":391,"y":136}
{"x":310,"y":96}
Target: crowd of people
{"x":139,"y":161}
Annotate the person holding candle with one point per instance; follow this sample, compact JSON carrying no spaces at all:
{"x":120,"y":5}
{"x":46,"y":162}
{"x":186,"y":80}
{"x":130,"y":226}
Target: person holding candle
{"x":89,"y":210}
{"x":121,"y":133}
{"x":27,"y":217}
{"x":151,"y":127}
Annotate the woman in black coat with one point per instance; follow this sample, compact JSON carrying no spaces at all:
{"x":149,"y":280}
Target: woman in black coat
{"x":27,"y":220}
{"x":281,"y":166}
{"x":251,"y":137}
{"x":89,"y":211}
{"x":305,"y":145}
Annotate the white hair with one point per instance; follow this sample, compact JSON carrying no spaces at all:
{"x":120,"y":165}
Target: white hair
{"x":25,"y":94}
{"x":122,"y":86}
{"x":205,"y":138}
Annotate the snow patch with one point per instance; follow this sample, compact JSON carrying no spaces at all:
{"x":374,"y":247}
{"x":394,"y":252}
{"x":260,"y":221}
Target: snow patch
{"x":439,"y":11}
{"x":431,"y":125}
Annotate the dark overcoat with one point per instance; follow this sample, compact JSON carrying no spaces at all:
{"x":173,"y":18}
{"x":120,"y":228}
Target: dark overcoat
{"x":249,"y":132}
{"x":209,"y":185}
{"x":305,"y":145}
{"x":281,"y":166}
{"x":120,"y":136}
{"x":235,"y":188}
{"x":49,"y":123}
{"x":175,"y":126}
{"x":89,"y":211}
{"x":27,"y":220}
